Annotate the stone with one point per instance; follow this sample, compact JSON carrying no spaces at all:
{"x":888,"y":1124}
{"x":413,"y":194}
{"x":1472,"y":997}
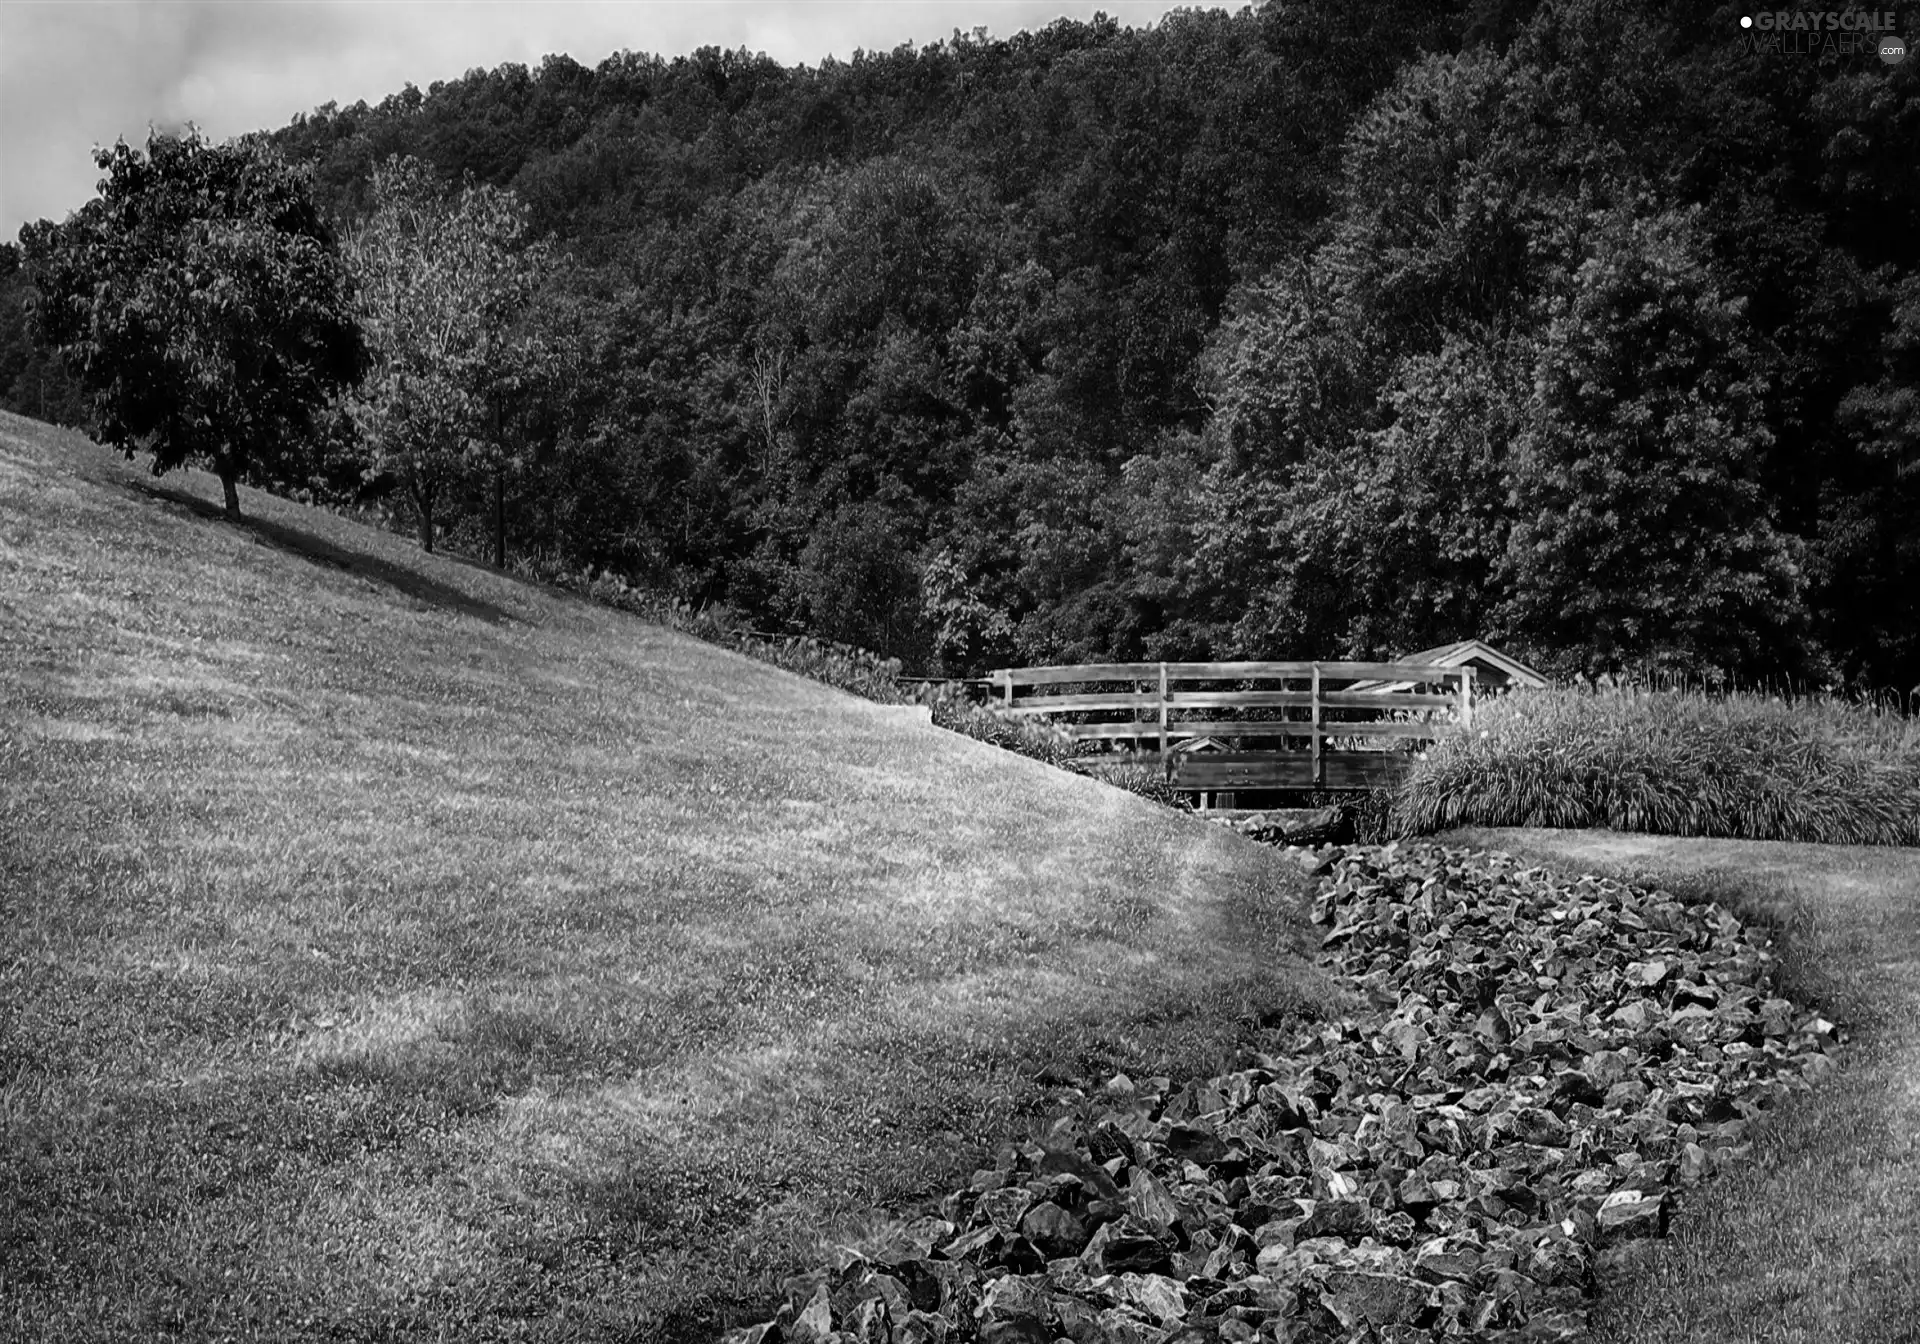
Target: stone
{"x":815,"y":1321}
{"x":1004,"y":1207}
{"x":1149,"y":1202}
{"x":1126,"y":1245}
{"x":1158,"y":1296}
{"x":1632,"y":1213}
{"x":1335,"y":1217}
{"x":1356,"y":1297}
{"x":1443,"y":1258}
{"x":1194,"y":1144}
{"x":915,"y":1241}
{"x":1054,"y":1231}
{"x":1013,"y":1296}
{"x":1532,"y":1064}
{"x":922,"y":1327}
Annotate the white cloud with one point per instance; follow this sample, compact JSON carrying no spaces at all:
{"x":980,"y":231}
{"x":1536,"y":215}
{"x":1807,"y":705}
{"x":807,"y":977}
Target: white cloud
{"x":86,"y":72}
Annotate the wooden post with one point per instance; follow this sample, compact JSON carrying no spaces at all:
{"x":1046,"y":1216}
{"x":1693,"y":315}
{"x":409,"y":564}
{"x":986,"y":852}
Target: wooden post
{"x":1466,"y":697}
{"x":1319,"y":766}
{"x":1008,"y":674}
{"x":1166,"y":761}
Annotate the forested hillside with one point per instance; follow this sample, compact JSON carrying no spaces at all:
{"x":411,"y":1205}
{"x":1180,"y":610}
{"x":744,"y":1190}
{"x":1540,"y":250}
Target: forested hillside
{"x":1312,"y":330}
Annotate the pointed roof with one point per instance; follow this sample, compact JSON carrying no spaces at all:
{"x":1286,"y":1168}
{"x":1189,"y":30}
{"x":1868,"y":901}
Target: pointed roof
{"x":1463,"y":653}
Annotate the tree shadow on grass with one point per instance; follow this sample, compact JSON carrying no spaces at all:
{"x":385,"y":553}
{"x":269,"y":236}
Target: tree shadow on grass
{"x":319,"y":551}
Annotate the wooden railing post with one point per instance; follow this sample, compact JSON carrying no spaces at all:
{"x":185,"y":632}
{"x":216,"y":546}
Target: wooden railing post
{"x":1166,"y":761}
{"x":1466,"y":697}
{"x":1319,"y":768}
{"x":1009,"y":690}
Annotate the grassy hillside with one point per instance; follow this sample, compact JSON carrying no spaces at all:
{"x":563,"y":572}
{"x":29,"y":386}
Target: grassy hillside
{"x":395,"y":950}
{"x":1818,"y":1238}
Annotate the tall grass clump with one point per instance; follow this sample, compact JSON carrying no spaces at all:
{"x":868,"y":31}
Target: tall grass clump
{"x":1674,"y":762}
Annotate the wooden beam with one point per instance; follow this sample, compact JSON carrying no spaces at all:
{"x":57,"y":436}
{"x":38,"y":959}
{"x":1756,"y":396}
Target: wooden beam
{"x":1181,"y":729}
{"x":1054,"y":704}
{"x":1275,"y":770}
{"x":1315,"y":735}
{"x":1163,"y":711}
{"x":1245,"y":671}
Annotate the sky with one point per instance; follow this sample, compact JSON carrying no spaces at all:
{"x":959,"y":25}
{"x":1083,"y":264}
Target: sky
{"x":76,"y":73}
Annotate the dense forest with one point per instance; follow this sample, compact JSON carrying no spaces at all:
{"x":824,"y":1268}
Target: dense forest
{"x":1314,"y":330}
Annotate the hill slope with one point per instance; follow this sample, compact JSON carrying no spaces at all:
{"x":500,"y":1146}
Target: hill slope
{"x":396,"y":950}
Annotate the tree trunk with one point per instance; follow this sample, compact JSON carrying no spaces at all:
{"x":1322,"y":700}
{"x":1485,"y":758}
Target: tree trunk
{"x":229,"y":485}
{"x":499,"y":518}
{"x":426,"y":525}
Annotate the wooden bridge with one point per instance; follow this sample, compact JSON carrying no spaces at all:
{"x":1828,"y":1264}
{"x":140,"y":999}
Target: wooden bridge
{"x":1253,"y":725}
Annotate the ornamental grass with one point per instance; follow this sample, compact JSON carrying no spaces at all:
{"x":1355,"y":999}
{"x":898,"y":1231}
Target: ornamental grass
{"x":1675,"y":762}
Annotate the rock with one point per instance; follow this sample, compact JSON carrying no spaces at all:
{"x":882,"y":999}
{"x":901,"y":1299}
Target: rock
{"x":922,"y":1327}
{"x":915,"y":1241}
{"x":1014,"y":1297}
{"x":1335,"y":1217}
{"x":1159,"y":1297}
{"x":1356,"y":1297}
{"x":1632,"y":1213}
{"x":1443,"y":1258}
{"x":1149,"y":1203}
{"x":815,"y":1321}
{"x":1117,"y":1325}
{"x":1126,"y":1245}
{"x":1416,"y":1194}
{"x":1191,"y":1143}
{"x":1054,"y":1231}
{"x":1540,"y":1126}
{"x":1005,"y":1207}
{"x":1534,"y":1063}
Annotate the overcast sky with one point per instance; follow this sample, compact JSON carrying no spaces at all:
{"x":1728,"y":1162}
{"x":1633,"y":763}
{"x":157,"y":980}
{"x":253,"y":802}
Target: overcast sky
{"x":75,"y":73}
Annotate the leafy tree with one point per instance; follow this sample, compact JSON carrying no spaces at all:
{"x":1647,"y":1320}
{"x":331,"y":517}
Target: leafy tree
{"x":1217,"y":337}
{"x":200,"y":303}
{"x":32,"y":381}
{"x":1640,"y":530}
{"x":441,"y":282}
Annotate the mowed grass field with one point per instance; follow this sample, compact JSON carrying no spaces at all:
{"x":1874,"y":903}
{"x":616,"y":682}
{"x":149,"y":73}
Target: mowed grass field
{"x":394,"y":950}
{"x":1817,"y":1239}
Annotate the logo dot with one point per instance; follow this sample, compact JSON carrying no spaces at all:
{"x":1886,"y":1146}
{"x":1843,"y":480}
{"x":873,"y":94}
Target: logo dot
{"x":1746,"y":20}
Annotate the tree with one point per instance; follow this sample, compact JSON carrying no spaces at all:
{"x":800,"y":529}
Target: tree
{"x":1640,"y":530}
{"x":442,"y":280}
{"x":200,"y":303}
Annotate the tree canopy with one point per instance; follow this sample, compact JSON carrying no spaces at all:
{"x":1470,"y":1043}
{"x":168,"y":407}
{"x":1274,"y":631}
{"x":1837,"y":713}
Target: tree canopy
{"x":1310,"y":330}
{"x":198,"y":301}
{"x":441,"y":281}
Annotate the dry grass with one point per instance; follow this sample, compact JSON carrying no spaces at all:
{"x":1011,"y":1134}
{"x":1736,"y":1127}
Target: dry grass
{"x":395,"y":950}
{"x":1817,"y":1241}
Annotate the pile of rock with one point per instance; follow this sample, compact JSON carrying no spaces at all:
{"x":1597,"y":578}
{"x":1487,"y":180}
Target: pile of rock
{"x":1544,"y":1063}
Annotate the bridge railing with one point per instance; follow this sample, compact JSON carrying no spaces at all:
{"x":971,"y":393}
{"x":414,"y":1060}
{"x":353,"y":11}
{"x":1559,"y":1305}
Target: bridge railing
{"x":1316,"y":724}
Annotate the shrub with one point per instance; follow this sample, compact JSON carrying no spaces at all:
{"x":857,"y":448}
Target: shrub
{"x":1674,"y":762}
{"x":1043,"y":741}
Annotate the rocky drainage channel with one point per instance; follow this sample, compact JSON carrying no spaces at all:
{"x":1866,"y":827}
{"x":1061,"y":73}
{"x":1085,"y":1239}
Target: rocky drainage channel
{"x":1543,"y":1064}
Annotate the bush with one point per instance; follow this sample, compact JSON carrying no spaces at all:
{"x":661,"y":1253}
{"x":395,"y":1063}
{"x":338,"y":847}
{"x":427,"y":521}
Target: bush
{"x":954,"y":709}
{"x":1742,"y":766}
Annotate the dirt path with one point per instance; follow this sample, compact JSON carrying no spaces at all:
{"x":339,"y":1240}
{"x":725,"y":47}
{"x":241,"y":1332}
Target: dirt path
{"x":1819,"y":1239}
